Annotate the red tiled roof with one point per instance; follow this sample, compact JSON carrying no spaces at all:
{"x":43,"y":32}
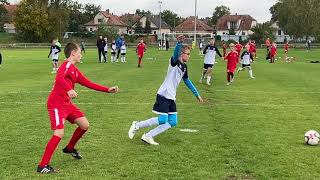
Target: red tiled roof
{"x":188,"y":25}
{"x":246,"y":21}
{"x":11,"y":8}
{"x":113,"y":19}
{"x":126,"y":17}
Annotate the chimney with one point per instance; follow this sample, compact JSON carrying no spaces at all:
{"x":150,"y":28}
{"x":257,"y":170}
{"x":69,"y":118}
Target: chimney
{"x":107,"y":11}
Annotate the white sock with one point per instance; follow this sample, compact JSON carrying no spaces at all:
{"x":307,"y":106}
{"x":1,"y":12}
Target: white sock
{"x":158,"y":130}
{"x":124,"y":59}
{"x":208,"y":79}
{"x":147,"y":123}
{"x":53,"y":69}
{"x":250,"y":73}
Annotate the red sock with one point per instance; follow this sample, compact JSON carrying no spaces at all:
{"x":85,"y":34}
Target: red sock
{"x":51,"y":147}
{"x":75,"y":138}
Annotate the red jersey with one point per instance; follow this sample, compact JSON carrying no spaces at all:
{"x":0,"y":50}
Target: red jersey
{"x":286,"y":47}
{"x":273,"y":51}
{"x":141,"y":48}
{"x":232,"y":60}
{"x":238,"y":47}
{"x":68,"y":74}
{"x":252,"y":48}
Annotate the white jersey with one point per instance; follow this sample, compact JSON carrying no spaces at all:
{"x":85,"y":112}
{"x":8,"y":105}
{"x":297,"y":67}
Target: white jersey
{"x":123,"y":49}
{"x":210,"y":52}
{"x":246,"y":57}
{"x":106,"y":48}
{"x":55,"y":52}
{"x":201,"y":45}
{"x":113,"y":47}
{"x":176,"y":71}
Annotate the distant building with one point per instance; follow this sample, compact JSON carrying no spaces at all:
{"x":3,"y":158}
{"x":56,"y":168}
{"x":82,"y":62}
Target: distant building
{"x":240,"y":24}
{"x":154,"y":24}
{"x":9,"y":26}
{"x":110,"y":20}
{"x":187,"y":26}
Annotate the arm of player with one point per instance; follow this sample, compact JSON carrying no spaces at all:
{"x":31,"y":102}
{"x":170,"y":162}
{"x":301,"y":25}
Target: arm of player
{"x":176,"y":54}
{"x":89,"y":84}
{"x":205,"y":49}
{"x":251,"y":57}
{"x":59,"y":50}
{"x":60,"y":78}
{"x":50,"y":52}
{"x":193,"y":89}
{"x":243,"y":53}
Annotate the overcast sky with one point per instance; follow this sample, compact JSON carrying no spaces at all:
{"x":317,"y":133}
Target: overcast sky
{"x":258,"y":9}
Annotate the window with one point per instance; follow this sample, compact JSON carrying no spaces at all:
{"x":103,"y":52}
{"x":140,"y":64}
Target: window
{"x":91,"y":30}
{"x":233,"y":25}
{"x":99,"y":21}
{"x":154,"y":32}
{"x":279,"y":33}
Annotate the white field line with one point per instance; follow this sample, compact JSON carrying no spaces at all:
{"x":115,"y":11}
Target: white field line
{"x":183,"y":104}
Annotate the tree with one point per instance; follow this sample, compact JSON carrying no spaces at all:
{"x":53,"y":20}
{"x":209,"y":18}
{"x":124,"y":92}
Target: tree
{"x":138,"y":29}
{"x":90,"y":11}
{"x":147,"y":29}
{"x":219,"y":11}
{"x":143,"y":12}
{"x":262,"y":32}
{"x":298,"y":18}
{"x":32,"y":21}
{"x":106,"y":31}
{"x":170,"y":18}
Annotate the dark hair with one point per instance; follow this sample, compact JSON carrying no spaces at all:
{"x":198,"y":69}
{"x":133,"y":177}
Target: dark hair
{"x":69,"y":48}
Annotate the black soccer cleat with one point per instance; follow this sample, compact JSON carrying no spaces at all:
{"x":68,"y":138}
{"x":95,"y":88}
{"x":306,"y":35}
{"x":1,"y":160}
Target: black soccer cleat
{"x":46,"y":169}
{"x":74,"y":153}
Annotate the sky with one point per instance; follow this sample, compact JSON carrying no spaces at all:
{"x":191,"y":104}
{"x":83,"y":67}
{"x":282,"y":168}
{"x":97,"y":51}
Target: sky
{"x":258,"y":9}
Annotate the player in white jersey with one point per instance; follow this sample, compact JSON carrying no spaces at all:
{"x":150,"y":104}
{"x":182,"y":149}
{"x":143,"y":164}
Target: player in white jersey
{"x":210,"y":52}
{"x":113,"y":48}
{"x":165,"y":105}
{"x":54,"y":52}
{"x":246,"y":60}
{"x":123,"y":51}
{"x":200,"y":47}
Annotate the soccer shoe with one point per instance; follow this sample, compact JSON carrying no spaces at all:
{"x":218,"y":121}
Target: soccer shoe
{"x":53,"y":72}
{"x":228,"y":84}
{"x":133,"y":129}
{"x":148,"y":140}
{"x":74,"y":153}
{"x":208,"y":83}
{"x":232,"y":80}
{"x":46,"y":169}
{"x":252,"y":77}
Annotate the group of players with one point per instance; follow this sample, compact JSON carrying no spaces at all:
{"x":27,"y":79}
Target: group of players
{"x":60,"y":107}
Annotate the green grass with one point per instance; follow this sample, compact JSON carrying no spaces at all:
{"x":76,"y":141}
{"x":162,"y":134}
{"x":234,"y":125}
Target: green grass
{"x":252,"y":129}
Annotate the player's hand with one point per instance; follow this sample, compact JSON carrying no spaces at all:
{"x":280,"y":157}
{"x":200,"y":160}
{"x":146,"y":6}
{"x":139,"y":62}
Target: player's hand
{"x":181,"y":38}
{"x":114,"y":89}
{"x":72,"y":94}
{"x":200,"y":99}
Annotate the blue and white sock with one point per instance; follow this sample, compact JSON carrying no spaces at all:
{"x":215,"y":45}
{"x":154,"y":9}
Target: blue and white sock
{"x":147,"y":123}
{"x":158,"y":130}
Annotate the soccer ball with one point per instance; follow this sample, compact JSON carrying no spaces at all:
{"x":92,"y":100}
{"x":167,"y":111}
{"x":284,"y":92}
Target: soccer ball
{"x":311,"y":137}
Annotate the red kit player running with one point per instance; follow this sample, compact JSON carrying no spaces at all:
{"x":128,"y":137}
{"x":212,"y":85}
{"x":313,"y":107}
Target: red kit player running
{"x":238,"y":47}
{"x":60,"y":107}
{"x":232,"y":59}
{"x":141,"y":49}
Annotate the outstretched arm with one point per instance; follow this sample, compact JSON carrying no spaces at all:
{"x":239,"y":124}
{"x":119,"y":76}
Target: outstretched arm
{"x":177,"y":50}
{"x":218,"y":52}
{"x":193,"y":89}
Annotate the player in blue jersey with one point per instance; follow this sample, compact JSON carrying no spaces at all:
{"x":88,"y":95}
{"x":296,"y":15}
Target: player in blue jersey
{"x":165,"y":105}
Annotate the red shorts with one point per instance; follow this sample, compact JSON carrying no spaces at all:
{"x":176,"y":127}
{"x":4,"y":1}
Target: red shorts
{"x":231,"y":68}
{"x":58,"y":115}
{"x":140,"y":55}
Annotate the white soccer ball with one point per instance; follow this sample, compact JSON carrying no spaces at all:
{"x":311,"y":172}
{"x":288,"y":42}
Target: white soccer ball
{"x":311,"y":137}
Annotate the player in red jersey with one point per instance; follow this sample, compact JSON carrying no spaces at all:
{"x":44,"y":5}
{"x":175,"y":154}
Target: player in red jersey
{"x":60,"y":107}
{"x":286,"y":49}
{"x":224,"y":47}
{"x":254,"y":49}
{"x":238,"y":47}
{"x":273,"y":52}
{"x":232,"y":59}
{"x":141,"y":49}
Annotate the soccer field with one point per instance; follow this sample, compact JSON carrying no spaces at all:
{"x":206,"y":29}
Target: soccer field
{"x":253,"y":129}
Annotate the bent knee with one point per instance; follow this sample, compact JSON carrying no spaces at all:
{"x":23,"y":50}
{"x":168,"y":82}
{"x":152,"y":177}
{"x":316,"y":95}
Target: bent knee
{"x":173,"y":120}
{"x":162,"y":119}
{"x":58,"y":132}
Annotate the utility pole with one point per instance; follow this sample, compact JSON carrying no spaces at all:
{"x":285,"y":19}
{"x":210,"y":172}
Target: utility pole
{"x":195,"y":21}
{"x":160,"y":3}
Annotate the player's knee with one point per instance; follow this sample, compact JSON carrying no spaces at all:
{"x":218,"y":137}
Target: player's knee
{"x":173,"y":120}
{"x":58,"y":132}
{"x":162,"y":119}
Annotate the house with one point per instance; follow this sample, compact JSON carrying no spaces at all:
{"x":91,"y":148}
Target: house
{"x":240,"y":24}
{"x":110,"y":20}
{"x":154,"y":24}
{"x":187,"y":26}
{"x":9,"y":26}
